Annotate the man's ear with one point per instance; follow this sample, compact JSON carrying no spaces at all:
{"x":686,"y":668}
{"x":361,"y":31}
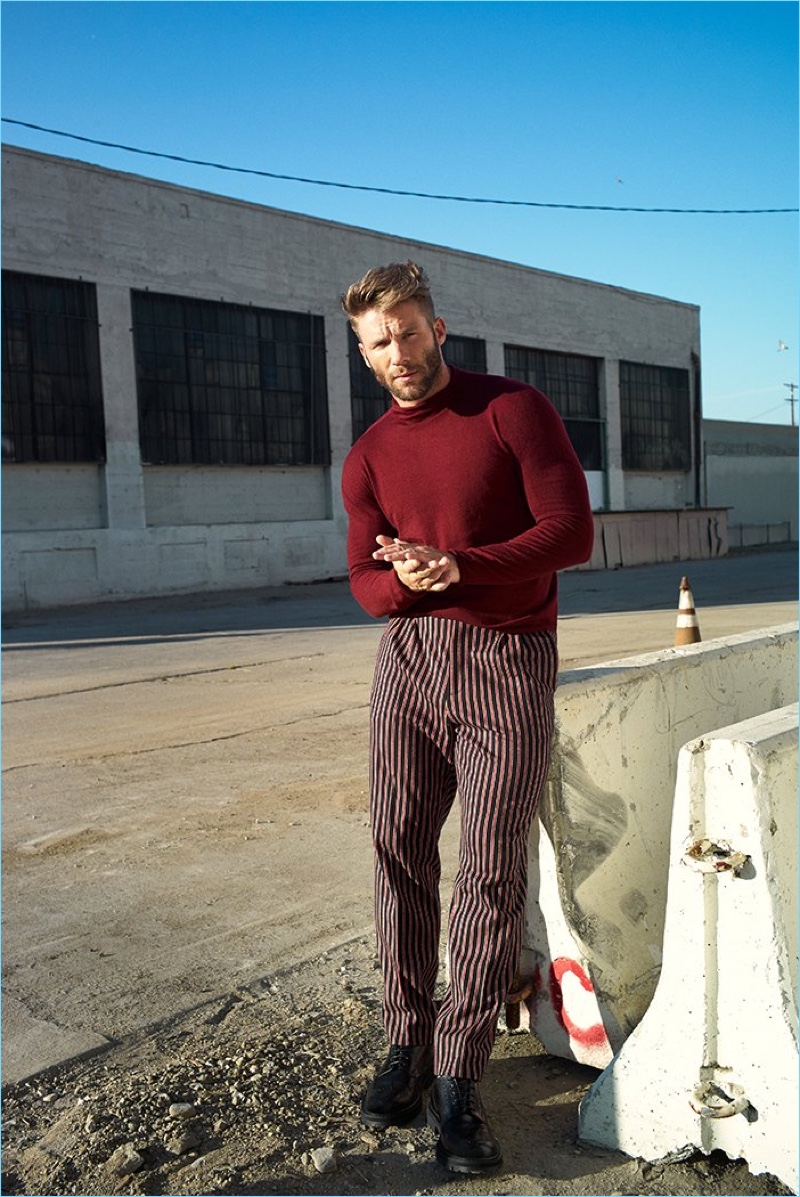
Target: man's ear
{"x":440,"y":328}
{"x":364,"y":355}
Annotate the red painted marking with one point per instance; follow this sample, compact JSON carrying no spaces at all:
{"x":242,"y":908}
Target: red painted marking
{"x":593,"y":1036}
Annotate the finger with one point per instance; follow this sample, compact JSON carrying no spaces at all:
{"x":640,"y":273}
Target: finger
{"x":391,"y":553}
{"x":406,"y":568}
{"x":425,"y":581}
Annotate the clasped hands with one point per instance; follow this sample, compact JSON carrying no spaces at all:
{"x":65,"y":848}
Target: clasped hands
{"x":420,"y":567}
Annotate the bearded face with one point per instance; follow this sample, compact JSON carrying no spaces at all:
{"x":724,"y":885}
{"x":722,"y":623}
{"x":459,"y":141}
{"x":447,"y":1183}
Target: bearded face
{"x":403,"y":349}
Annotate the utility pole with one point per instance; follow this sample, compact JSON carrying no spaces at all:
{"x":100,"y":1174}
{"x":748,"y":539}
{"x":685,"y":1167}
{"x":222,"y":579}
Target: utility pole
{"x":792,"y":388}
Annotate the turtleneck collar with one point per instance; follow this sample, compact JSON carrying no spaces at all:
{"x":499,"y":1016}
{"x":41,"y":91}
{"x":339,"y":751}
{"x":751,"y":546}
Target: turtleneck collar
{"x":436,"y":403}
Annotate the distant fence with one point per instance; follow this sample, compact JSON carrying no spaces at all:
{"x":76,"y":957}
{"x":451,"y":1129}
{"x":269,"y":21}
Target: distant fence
{"x":748,"y":536}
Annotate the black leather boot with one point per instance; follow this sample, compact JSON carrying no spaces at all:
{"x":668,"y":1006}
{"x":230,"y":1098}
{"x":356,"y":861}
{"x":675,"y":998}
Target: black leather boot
{"x":466,"y":1142}
{"x":394,"y":1096}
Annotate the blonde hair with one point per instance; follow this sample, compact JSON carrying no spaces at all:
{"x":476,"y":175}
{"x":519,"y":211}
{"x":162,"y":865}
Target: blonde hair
{"x":384,"y":287}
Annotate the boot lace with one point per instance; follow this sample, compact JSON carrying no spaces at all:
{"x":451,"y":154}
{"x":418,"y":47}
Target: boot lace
{"x":465,"y":1091}
{"x":399,"y":1057}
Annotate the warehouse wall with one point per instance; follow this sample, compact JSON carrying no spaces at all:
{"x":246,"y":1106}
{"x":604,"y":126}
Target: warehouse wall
{"x":188,"y":527}
{"x":752,"y":470}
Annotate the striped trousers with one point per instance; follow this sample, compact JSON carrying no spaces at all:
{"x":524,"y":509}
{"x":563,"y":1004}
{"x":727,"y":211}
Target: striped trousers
{"x":467,"y":710}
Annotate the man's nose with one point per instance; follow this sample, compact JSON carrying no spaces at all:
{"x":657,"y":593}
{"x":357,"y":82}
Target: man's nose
{"x":398,"y":350}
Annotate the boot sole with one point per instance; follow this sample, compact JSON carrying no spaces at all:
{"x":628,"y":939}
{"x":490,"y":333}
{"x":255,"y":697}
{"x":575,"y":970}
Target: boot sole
{"x":401,"y":1118}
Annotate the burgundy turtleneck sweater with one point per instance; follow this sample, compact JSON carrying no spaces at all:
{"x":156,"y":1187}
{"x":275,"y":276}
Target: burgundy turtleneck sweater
{"x":484,"y":470}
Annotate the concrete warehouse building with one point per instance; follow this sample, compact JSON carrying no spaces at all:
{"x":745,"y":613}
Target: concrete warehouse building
{"x":180,"y":388}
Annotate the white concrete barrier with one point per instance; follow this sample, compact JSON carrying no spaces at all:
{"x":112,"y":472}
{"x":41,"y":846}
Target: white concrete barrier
{"x":598,"y":874}
{"x":714,"y":1063}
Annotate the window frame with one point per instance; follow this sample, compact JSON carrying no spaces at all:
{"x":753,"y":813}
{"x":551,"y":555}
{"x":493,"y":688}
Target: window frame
{"x":229,"y":384}
{"x":571,"y":381}
{"x":656,"y":420}
{"x":465,"y":353}
{"x":51,"y":375}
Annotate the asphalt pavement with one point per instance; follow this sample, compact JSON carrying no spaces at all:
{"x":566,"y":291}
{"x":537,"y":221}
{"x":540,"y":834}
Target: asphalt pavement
{"x":184,"y":784}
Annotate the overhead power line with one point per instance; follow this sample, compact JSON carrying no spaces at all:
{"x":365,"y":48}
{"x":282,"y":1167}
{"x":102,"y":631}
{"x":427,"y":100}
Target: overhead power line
{"x":460,"y":199}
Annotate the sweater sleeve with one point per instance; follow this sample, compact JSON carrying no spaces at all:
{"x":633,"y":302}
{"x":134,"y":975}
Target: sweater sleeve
{"x":556,"y":493}
{"x":375,"y":584}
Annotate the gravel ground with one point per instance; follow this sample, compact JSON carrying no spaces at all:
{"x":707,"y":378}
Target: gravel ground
{"x":258,"y":1093}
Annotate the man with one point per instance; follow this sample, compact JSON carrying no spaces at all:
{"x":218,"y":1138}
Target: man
{"x":464,"y":499}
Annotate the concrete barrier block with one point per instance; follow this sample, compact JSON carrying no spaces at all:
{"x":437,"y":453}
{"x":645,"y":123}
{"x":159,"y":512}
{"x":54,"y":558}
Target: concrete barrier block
{"x":564,"y":1012}
{"x":714,"y":1063}
{"x":598,"y":874}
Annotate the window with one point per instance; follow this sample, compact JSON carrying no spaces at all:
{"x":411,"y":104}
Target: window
{"x":227,"y":384}
{"x":467,"y":353}
{"x":368,"y":399}
{"x":570,"y":382}
{"x":52,"y":395}
{"x":656,"y":419}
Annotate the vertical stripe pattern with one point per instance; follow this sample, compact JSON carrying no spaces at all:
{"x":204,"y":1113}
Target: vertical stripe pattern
{"x":455,"y":708}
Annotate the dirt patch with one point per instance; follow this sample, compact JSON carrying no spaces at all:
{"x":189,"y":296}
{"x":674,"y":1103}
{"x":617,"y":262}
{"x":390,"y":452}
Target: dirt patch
{"x":64,"y":840}
{"x":258,"y":1092}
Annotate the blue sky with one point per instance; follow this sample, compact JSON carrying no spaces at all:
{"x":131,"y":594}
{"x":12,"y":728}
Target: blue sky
{"x":676,"y":104}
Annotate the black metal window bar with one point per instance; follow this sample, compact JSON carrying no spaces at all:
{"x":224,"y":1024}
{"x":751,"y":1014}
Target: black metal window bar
{"x":229,"y":384}
{"x":368,"y":399}
{"x":571,"y":383}
{"x":467,"y":353}
{"x":52,"y":392}
{"x":656,"y":417}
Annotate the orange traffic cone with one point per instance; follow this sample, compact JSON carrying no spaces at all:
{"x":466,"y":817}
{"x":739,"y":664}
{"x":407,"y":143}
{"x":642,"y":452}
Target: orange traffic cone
{"x":687,"y":629}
